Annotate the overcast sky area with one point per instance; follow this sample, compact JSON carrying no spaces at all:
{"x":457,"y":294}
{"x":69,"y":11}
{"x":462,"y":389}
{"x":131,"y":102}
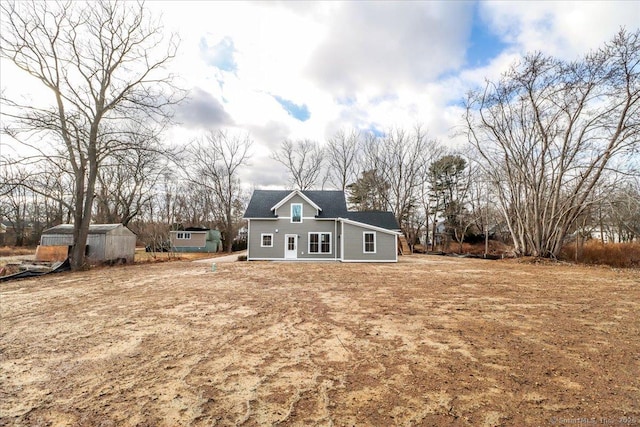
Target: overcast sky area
{"x":306,"y":69}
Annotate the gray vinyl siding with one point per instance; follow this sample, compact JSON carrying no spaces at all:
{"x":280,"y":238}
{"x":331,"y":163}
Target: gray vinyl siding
{"x":353,"y":245}
{"x":284,"y":226}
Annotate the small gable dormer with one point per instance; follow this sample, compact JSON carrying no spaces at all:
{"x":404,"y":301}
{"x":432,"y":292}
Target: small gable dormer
{"x":296,"y":206}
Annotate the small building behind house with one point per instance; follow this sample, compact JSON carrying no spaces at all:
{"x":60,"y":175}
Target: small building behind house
{"x":105,"y":242}
{"x":195,"y":239}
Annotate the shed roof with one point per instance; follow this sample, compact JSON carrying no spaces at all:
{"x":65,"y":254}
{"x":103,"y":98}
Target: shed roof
{"x":93,"y":229}
{"x":376,"y":218}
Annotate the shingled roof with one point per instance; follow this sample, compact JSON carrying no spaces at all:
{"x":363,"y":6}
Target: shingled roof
{"x":376,"y":218}
{"x":332,"y":203}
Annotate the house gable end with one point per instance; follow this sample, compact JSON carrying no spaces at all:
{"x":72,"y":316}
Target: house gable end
{"x":300,"y":194}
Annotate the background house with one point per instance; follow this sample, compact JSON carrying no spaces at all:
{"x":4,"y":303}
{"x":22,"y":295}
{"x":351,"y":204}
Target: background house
{"x":195,"y":239}
{"x":105,"y":242}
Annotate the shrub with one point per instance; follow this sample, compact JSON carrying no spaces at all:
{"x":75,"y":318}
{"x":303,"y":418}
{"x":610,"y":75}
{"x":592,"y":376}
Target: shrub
{"x":242,"y":257}
{"x":239,"y":245}
{"x":613,"y":254}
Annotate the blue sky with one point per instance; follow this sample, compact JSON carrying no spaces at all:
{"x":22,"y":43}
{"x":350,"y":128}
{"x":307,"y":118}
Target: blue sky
{"x":484,"y":43}
{"x":304,"y":70}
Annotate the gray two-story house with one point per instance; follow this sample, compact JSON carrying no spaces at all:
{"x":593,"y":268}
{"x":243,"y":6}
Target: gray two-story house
{"x":316,"y":225}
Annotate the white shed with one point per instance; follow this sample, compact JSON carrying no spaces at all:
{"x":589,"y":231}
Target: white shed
{"x":105,"y":242}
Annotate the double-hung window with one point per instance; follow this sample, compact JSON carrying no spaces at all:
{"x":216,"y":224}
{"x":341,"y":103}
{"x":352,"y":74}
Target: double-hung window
{"x":267,"y":240}
{"x":319,"y":243}
{"x":296,"y":212}
{"x":369,"y":242}
{"x":183,"y":235}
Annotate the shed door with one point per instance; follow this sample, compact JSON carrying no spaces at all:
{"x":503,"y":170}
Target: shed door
{"x":291,"y":246}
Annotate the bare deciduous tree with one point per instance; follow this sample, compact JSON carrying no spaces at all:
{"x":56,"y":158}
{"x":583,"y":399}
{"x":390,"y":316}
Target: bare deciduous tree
{"x":14,"y":202}
{"x":619,"y":212}
{"x":547,"y":132}
{"x":342,"y":155}
{"x":216,"y":160}
{"x":400,"y":159}
{"x":126,"y":184}
{"x":101,"y":65}
{"x":304,"y":160}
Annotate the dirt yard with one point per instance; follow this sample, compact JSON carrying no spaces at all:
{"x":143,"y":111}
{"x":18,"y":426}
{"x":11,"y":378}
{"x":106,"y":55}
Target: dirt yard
{"x":430,"y":341}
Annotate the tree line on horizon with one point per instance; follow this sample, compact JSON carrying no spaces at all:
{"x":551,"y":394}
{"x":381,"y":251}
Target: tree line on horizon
{"x":552,"y":146}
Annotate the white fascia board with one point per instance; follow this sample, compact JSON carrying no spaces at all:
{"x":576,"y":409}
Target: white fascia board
{"x":294,"y":193}
{"x":368,"y":226}
{"x":271,"y":218}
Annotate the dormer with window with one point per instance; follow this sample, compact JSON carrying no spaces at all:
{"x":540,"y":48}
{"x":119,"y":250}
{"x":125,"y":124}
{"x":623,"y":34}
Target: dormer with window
{"x":296,"y":206}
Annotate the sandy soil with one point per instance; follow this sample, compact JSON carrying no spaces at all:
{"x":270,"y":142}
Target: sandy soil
{"x":428,"y":341}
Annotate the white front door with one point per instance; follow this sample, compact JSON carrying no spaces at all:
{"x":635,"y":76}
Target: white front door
{"x":291,"y":246}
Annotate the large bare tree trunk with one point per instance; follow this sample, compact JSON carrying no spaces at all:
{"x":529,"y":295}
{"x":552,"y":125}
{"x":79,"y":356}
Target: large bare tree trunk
{"x":103,"y":67}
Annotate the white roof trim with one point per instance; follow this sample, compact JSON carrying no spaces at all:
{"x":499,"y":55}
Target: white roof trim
{"x":294,"y":193}
{"x":368,"y":226}
{"x":272,"y":218}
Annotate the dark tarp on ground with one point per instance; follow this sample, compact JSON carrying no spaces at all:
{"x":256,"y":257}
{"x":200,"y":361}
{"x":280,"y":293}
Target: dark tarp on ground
{"x":64,"y":266}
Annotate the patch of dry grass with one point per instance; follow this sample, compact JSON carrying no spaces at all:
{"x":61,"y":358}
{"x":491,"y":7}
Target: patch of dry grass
{"x":15,"y":251}
{"x":150,"y":257}
{"x":624,"y":255}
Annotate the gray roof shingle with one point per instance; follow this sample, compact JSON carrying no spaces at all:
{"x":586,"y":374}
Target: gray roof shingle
{"x":376,"y":218}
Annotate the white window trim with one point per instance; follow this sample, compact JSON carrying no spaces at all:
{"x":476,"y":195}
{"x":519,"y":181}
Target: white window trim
{"x":262,"y":235}
{"x":319,"y":233}
{"x":364,"y":245}
{"x":301,"y":213}
{"x":183,"y":235}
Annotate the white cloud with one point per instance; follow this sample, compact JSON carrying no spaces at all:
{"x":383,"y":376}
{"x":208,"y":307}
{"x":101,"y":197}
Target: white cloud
{"x":567,"y":29}
{"x":353,"y":64}
{"x":373,"y":48}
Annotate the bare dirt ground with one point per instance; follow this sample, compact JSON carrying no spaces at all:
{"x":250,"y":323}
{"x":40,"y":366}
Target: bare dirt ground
{"x":428,"y":341}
